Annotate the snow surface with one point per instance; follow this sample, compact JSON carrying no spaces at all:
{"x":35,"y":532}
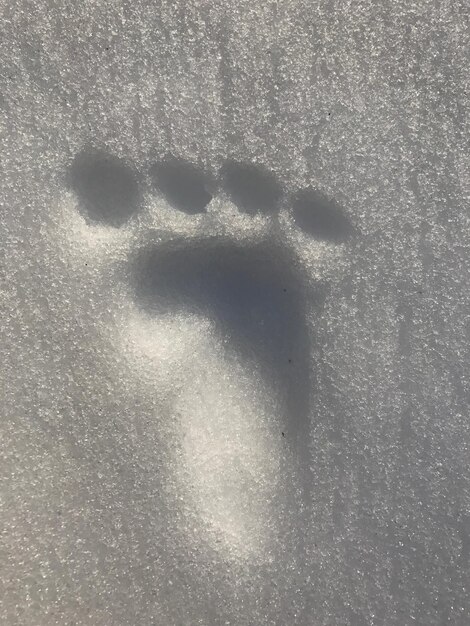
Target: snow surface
{"x":235,"y":304}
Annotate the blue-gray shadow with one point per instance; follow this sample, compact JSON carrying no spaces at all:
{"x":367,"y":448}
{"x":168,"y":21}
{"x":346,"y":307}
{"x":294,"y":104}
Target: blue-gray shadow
{"x":183,"y":185}
{"x":256,"y":295}
{"x":251,"y":188}
{"x":321,"y":217}
{"x":106,"y":186}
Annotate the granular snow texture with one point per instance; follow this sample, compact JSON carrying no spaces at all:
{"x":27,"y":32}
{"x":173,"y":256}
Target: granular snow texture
{"x":235,"y":299}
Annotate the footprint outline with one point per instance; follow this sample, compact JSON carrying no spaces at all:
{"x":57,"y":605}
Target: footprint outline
{"x":254,"y":190}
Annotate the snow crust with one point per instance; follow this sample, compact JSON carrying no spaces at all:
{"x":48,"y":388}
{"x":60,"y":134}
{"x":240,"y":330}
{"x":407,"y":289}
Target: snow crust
{"x":234,"y":297}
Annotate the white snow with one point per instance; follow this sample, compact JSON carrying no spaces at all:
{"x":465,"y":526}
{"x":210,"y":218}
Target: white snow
{"x":234,"y":297}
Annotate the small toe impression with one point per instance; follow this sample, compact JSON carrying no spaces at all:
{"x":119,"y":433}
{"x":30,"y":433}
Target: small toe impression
{"x":321,"y":217}
{"x":252,"y":189}
{"x":106,"y":187}
{"x":182,"y":184}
